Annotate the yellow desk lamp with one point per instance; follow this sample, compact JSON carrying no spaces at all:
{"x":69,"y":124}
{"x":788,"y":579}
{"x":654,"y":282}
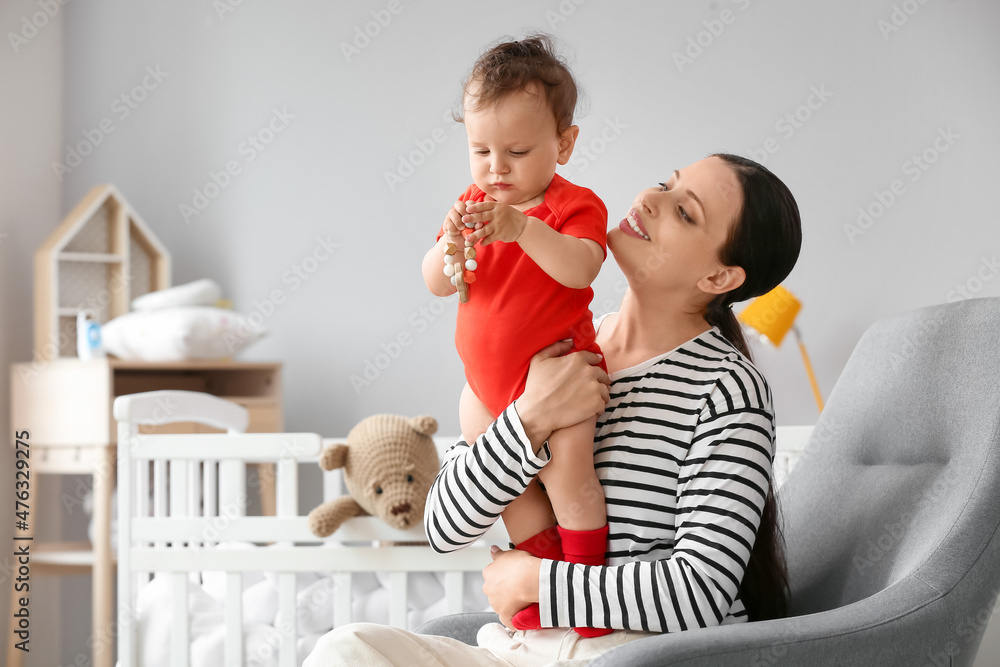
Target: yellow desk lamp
{"x":772,"y":315}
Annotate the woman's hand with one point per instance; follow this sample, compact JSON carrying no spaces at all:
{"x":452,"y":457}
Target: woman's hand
{"x":511,"y":582}
{"x":561,"y":391}
{"x":498,"y":222}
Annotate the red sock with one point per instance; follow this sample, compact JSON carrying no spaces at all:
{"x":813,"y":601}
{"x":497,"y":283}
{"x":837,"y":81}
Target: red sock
{"x":546,"y":544}
{"x":587,"y":547}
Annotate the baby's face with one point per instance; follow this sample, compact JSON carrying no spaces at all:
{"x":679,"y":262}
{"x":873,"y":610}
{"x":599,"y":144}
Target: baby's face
{"x":514,"y":149}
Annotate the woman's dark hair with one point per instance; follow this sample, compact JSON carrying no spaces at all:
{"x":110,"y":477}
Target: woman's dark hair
{"x":764,"y":241}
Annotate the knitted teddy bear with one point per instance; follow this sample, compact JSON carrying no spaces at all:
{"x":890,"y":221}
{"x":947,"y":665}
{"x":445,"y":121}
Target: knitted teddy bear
{"x":389,"y":465}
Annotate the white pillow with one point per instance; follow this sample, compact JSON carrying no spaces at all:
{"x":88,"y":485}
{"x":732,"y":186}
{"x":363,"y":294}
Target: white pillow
{"x":154,"y":611}
{"x":176,"y":334}
{"x":203,"y":292}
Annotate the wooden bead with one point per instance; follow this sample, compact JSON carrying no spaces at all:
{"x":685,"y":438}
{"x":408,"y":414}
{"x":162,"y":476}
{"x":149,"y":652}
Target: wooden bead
{"x":470,"y":253}
{"x":450,"y":249}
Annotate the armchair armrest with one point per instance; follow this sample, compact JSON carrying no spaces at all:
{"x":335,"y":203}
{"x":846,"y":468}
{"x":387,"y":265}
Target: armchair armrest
{"x":895,"y":626}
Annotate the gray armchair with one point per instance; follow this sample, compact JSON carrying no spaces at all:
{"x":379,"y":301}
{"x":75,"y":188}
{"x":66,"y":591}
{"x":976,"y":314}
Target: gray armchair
{"x":890,"y":516}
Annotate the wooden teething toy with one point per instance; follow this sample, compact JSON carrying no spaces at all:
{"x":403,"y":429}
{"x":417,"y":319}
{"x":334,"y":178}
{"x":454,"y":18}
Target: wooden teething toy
{"x":462,"y":273}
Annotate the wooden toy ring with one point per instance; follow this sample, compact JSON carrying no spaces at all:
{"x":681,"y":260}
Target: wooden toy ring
{"x":462,"y":273}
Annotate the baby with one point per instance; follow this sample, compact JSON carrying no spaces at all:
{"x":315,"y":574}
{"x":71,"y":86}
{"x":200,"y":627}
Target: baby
{"x":541,"y":243}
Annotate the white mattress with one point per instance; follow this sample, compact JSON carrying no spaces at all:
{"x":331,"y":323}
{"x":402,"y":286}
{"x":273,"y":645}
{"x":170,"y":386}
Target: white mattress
{"x":369,"y":596}
{"x":370,"y":602}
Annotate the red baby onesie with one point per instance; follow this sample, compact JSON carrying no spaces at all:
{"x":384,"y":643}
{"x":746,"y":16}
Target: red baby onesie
{"x":515,"y":309}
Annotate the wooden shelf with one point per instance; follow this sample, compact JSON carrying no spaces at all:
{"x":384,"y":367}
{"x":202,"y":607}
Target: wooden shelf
{"x":104,"y":257}
{"x":65,"y":554}
{"x":192,"y":364}
{"x":99,"y":258}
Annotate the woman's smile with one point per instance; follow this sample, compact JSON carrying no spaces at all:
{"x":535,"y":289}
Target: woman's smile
{"x":632,"y":225}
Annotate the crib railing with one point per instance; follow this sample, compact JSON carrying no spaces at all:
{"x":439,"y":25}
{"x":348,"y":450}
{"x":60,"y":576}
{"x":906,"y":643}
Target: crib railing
{"x":199,"y":502}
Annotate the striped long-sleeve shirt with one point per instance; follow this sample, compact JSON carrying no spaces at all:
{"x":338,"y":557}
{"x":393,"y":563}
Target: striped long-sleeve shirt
{"x":683,"y":452}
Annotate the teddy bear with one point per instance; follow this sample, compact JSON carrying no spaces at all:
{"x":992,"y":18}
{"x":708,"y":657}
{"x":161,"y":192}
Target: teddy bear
{"x":389,"y":464}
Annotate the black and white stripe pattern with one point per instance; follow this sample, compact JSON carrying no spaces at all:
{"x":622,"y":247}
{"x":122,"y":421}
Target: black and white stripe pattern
{"x":684,"y":453}
{"x":476,"y":483}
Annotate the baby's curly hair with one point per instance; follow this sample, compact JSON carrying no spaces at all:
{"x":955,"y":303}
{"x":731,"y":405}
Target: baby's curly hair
{"x":510,"y":66}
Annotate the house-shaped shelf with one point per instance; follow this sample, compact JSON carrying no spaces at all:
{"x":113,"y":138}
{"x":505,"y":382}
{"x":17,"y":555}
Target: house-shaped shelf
{"x":100,"y":257}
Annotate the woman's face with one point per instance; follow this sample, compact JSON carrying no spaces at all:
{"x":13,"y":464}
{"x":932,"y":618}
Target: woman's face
{"x":671,"y":238}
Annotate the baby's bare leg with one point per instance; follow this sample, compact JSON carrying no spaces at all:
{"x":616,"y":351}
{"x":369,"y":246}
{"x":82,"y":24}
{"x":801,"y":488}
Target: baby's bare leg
{"x":473,"y":415}
{"x":570,"y":480}
{"x":528,"y":514}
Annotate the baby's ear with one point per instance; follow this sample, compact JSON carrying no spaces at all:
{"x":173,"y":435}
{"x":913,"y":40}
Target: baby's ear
{"x":567,"y":140}
{"x":333,"y":457}
{"x":424,"y":425}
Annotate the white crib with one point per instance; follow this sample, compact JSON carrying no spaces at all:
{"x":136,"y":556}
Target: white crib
{"x":199,"y":498}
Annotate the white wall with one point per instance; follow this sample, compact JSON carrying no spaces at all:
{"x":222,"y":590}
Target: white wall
{"x":323,"y":176}
{"x":886,"y":96}
{"x":31,"y":116}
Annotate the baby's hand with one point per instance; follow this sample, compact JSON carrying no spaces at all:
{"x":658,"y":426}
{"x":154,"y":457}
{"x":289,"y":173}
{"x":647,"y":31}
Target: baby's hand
{"x":502,"y":222}
{"x":453,"y":222}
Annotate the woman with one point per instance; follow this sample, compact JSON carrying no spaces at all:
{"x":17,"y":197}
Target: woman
{"x":683,"y":448}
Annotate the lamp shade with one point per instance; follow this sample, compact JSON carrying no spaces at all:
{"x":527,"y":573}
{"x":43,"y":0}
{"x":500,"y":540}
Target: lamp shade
{"x":772,"y":314}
